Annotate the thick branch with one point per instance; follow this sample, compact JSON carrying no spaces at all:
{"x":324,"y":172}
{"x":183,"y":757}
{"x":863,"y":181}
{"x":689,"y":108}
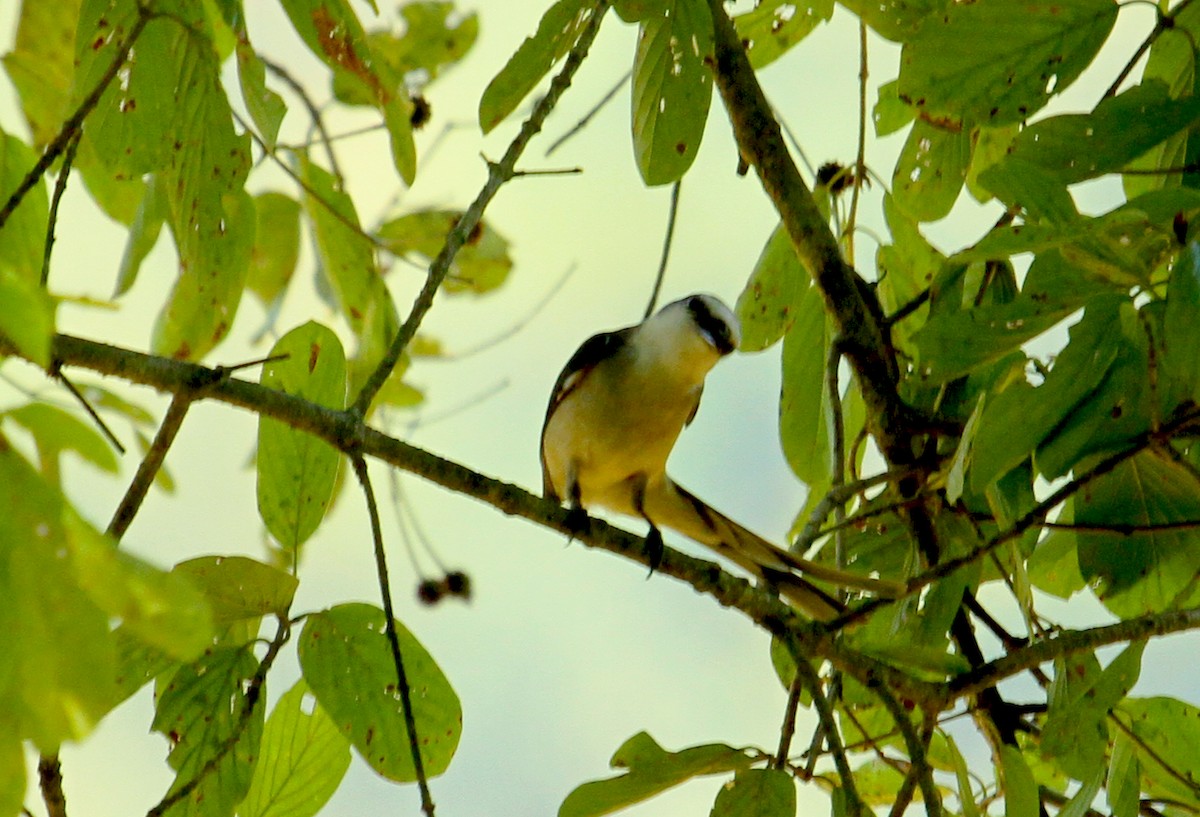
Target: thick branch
{"x":853,"y":307}
{"x":347,"y":432}
{"x":1073,"y":641}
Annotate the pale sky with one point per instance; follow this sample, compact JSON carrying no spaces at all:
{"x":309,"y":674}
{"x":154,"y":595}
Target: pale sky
{"x":563,"y":653}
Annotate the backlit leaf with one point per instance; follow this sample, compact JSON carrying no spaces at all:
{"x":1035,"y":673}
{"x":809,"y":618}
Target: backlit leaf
{"x":672,"y":89}
{"x":650,"y":770}
{"x":297,"y":470}
{"x":999,"y":62}
{"x":346,"y":660}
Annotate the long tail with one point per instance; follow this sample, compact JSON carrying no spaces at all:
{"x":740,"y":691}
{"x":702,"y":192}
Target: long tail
{"x":678,"y":509}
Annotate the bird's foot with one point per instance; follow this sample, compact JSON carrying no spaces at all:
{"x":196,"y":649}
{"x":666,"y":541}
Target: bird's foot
{"x":654,"y":548}
{"x":577,"y":522}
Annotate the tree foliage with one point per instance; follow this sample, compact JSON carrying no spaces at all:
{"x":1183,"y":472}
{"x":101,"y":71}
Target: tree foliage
{"x":952,"y":453}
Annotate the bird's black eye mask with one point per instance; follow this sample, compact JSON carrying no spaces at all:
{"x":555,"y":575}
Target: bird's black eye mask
{"x":713,"y":326}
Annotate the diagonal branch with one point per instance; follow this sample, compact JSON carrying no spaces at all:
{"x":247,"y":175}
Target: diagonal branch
{"x":348,"y":432}
{"x":498,"y":173}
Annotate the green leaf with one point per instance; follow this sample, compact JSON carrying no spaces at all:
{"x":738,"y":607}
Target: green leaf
{"x":200,"y":710}
{"x":1081,"y":802}
{"x":60,"y":662}
{"x":966,"y":795}
{"x":1168,"y":729}
{"x":131,"y":129}
{"x":276,"y":245}
{"x":930,"y":171}
{"x":1075,"y":147}
{"x":303,"y":758}
{"x":1172,"y":62}
{"x":163,"y":610}
{"x":296,"y":469}
{"x":55,"y":431}
{"x":999,"y":62}
{"x":954,"y":343}
{"x":1054,"y":566}
{"x":348,"y":664}
{"x":890,"y":114}
{"x":347,"y":261}
{"x":26,"y":315}
{"x":265,"y":107}
{"x":1031,"y":188}
{"x":757,"y":793}
{"x":771,"y":28}
{"x":557,"y":32}
{"x":239,"y":588}
{"x":766,"y":307}
{"x":482,"y":264}
{"x":1113,"y":415}
{"x":896,"y":20}
{"x":1182,"y":321}
{"x":152,"y":211}
{"x":650,"y":770}
{"x":204,"y":164}
{"x":12,"y":771}
{"x":1124,"y":793}
{"x":803,"y":402}
{"x":1020,"y":789}
{"x":1019,"y":418}
{"x":332,"y":31}
{"x":1145,"y":571}
{"x":1075,"y":733}
{"x":42,"y":64}
{"x":435,"y":35}
{"x":672,"y":90}
{"x":23,"y":236}
{"x":990,"y":147}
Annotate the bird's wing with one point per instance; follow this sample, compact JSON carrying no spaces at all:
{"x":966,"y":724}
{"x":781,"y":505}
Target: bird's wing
{"x":592,"y":351}
{"x":682,"y":511}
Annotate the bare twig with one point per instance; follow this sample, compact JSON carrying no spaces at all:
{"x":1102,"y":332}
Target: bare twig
{"x":91,"y":411}
{"x":314,"y":114}
{"x":498,"y":173}
{"x":385,"y":591}
{"x":582,"y":123}
{"x":860,"y":162}
{"x":60,"y":187}
{"x":148,"y":469}
{"x":50,"y":782}
{"x":833,"y":738}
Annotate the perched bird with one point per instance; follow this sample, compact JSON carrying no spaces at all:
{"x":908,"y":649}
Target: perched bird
{"x":614,"y":415}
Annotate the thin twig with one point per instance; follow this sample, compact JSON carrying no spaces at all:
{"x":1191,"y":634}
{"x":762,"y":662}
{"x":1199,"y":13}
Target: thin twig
{"x":312,"y":193}
{"x":666,"y":250}
{"x":788,"y":729}
{"x":60,"y":187}
{"x":498,"y":174}
{"x":250,"y":700}
{"x":833,"y":738}
{"x":149,"y":467}
{"x":860,"y":161}
{"x":385,"y":592}
{"x":87,"y":407}
{"x":72,"y":126}
{"x":314,"y":114}
{"x":1165,"y":22}
{"x":582,"y":123}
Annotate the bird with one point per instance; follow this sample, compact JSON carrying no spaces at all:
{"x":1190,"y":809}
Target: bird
{"x":614,"y":415}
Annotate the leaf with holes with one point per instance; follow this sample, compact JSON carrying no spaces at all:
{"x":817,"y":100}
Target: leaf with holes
{"x":348,"y":664}
{"x":672,"y":90}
